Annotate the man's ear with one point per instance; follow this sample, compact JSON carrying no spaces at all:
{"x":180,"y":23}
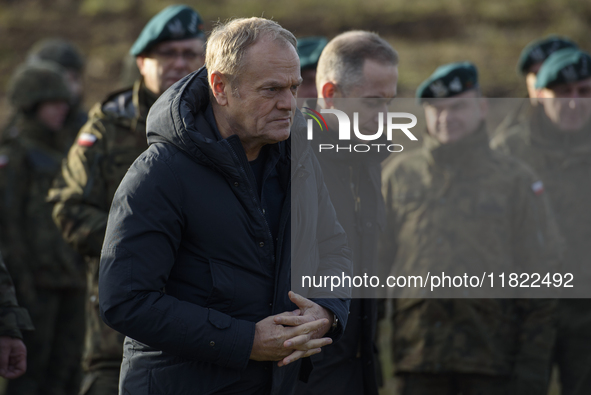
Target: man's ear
{"x":220,"y":87}
{"x":328,"y":93}
{"x":139,"y":61}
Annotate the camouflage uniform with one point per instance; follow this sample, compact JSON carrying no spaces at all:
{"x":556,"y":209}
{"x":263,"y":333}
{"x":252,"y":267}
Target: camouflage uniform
{"x":107,"y":145}
{"x":13,"y":319}
{"x":449,"y":206}
{"x":563,"y":160}
{"x":48,"y":274}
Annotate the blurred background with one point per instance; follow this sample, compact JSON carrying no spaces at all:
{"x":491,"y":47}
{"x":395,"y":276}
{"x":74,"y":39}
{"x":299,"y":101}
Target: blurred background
{"x":426,"y":33}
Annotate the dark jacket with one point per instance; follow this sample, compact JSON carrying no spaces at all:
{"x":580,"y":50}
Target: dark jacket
{"x":354,"y":182}
{"x":189,"y":264}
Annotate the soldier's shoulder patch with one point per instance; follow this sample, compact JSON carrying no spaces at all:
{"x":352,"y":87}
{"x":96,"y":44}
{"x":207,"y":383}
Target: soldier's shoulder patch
{"x":538,"y":188}
{"x":86,"y":140}
{"x":4,"y":160}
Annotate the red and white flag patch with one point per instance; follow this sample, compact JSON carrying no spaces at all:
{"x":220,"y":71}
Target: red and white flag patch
{"x":538,"y":187}
{"x":86,"y":139}
{"x":3,"y":160}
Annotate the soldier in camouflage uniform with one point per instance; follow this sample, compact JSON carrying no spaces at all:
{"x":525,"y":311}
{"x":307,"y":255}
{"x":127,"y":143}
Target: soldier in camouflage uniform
{"x":69,"y":58}
{"x":530,"y":61}
{"x":453,"y":204}
{"x":169,"y":47}
{"x":48,"y":274}
{"x":13,"y":320}
{"x":559,"y":150}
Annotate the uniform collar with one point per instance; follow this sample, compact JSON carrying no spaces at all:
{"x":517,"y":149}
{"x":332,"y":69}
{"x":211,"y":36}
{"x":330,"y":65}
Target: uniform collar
{"x":463,"y":152}
{"x":545,"y":133}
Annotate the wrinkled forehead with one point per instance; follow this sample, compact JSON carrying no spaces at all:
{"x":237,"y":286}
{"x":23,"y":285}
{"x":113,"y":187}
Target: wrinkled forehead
{"x":272,"y":59}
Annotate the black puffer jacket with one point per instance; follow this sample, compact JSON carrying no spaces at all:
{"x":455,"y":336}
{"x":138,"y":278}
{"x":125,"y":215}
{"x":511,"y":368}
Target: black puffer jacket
{"x":189,"y":265}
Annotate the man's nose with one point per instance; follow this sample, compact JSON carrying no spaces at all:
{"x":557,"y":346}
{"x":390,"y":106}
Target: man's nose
{"x":180,"y":62}
{"x":286,"y":100}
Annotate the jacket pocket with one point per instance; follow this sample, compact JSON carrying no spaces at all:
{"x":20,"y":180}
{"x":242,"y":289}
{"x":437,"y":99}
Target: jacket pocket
{"x":190,"y":378}
{"x":223,"y":278}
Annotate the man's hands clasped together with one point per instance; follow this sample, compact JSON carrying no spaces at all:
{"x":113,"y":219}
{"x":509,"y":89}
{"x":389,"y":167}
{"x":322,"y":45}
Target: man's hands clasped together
{"x":292,"y":335}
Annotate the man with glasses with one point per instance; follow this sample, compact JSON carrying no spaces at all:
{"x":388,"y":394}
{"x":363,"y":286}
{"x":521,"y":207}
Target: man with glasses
{"x":170,"y":46}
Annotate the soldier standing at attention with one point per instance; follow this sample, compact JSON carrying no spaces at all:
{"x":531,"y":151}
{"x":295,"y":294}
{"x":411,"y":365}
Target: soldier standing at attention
{"x":456,"y":202}
{"x":69,"y":58}
{"x":48,"y":274}
{"x":169,"y":47}
{"x":530,"y":61}
{"x":555,"y":140}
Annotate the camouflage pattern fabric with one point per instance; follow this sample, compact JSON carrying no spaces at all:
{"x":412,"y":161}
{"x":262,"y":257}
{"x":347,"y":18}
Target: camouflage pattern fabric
{"x":48,"y":274}
{"x":101,"y":382}
{"x":563,"y":160}
{"x":450,"y":205}
{"x":13,"y":319}
{"x":113,"y":137}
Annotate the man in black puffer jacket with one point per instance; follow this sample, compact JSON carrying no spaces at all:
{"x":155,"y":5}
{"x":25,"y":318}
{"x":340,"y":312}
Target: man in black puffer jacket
{"x":197,"y":259}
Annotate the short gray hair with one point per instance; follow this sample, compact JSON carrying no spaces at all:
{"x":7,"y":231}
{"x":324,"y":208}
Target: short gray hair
{"x":343,"y":58}
{"x":229,"y":41}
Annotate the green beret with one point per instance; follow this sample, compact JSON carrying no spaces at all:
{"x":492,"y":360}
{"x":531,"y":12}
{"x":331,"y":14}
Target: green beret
{"x":176,"y":22}
{"x":564,"y":66}
{"x":449,"y":80}
{"x":309,"y":50}
{"x":538,"y":51}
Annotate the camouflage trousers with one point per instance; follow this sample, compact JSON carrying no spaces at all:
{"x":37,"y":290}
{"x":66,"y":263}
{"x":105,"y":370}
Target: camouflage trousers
{"x":572,"y":351}
{"x":452,"y":384}
{"x":100,"y":382}
{"x":54,"y":349}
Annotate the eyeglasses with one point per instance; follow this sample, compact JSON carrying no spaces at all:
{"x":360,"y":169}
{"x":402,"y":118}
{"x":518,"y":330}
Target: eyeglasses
{"x":172,"y":55}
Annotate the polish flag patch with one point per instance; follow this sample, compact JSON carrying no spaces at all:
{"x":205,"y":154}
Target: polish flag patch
{"x":3,"y":161}
{"x":86,"y":140}
{"x":537,"y":187}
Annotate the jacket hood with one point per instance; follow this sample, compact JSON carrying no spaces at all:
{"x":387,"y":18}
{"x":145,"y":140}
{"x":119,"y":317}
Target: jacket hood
{"x":178,"y":118}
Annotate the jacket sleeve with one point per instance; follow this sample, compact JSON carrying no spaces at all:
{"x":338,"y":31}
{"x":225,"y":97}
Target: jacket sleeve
{"x":143,"y":236}
{"x":13,"y":318}
{"x":81,"y":206}
{"x":14,"y":190}
{"x":334,"y":253}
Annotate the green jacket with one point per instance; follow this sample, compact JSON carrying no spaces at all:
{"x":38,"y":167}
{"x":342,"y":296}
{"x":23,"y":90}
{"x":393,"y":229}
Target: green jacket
{"x":35,"y":253}
{"x":13,"y":318}
{"x":113,"y":137}
{"x":448,"y":207}
{"x":563,"y":161}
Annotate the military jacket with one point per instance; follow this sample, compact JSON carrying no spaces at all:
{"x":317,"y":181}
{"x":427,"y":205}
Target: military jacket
{"x":13,"y":318}
{"x":449,"y":206}
{"x":35,"y":252}
{"x":113,"y":137}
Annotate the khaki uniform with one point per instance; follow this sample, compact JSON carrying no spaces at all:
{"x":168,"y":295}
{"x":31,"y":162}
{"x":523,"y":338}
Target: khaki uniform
{"x":48,"y":274}
{"x":113,"y":137}
{"x":563,"y":160}
{"x":452,"y":207}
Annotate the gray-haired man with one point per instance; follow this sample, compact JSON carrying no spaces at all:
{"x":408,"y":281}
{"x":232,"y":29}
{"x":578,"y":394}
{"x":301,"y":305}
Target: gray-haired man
{"x":361,"y":68}
{"x":195,"y":268}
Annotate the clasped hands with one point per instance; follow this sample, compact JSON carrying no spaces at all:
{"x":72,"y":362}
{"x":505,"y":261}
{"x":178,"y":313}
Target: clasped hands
{"x":292,"y":335}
